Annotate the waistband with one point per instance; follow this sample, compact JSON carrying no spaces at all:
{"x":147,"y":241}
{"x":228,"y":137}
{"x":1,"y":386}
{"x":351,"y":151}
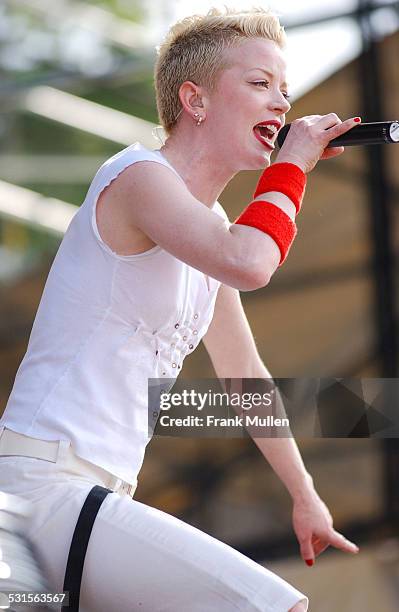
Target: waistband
{"x":60,"y":452}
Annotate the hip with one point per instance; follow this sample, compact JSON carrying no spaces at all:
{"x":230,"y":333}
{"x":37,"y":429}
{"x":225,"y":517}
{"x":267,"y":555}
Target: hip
{"x":31,"y":459}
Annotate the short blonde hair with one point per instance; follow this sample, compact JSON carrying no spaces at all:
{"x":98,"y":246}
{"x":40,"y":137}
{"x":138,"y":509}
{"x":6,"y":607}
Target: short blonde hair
{"x":193,"y":50}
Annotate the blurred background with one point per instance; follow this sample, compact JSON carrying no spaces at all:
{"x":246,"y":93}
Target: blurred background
{"x":76,"y":87}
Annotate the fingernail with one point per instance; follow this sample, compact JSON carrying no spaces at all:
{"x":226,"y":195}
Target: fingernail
{"x":309,"y":561}
{"x":357,"y":119}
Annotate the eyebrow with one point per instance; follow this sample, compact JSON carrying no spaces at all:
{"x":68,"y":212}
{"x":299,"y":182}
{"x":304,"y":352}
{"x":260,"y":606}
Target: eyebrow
{"x":270,"y":74}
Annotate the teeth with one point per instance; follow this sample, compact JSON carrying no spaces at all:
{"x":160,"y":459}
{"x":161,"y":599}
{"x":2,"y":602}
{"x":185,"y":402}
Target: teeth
{"x":271,"y":127}
{"x":265,"y":139}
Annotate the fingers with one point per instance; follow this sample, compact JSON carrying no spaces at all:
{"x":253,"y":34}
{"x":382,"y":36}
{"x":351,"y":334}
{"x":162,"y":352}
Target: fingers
{"x":311,"y":548}
{"x":307,"y":552}
{"x":330,"y":126}
{"x":342,"y":127}
{"x":328,"y":121}
{"x":333,"y":152}
{"x":308,"y":138}
{"x":334,"y":132}
{"x":319,"y":546}
{"x":339,"y":541}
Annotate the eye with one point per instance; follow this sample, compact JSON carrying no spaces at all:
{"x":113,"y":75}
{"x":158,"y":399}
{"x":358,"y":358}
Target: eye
{"x":261,"y":83}
{"x":266,"y":85}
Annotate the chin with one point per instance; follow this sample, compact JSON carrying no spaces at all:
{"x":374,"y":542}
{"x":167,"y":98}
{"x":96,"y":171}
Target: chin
{"x":254,"y":161}
{"x":263,"y":161}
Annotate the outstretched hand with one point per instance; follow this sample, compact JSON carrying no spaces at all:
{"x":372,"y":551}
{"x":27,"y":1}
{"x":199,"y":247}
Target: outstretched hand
{"x":313,"y":526}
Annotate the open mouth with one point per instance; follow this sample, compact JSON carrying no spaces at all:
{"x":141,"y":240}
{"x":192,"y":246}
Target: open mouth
{"x":265,"y":134}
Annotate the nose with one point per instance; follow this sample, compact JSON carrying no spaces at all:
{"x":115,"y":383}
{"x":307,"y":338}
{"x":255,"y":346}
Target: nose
{"x":279,"y":103}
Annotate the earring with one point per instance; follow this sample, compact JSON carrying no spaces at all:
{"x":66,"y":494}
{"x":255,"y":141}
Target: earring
{"x":200,"y":118}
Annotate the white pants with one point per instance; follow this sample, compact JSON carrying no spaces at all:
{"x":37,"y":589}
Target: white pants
{"x":138,"y":557}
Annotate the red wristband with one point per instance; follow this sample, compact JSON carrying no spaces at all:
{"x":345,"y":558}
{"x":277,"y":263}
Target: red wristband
{"x":286,"y":178}
{"x":270,"y":219}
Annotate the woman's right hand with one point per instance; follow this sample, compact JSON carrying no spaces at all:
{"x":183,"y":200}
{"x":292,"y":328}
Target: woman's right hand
{"x":308,"y":138}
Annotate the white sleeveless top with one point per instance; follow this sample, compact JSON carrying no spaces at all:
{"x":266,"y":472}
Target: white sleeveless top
{"x":105,"y":324}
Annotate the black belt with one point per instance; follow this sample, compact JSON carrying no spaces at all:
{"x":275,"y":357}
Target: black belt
{"x":80,"y":540}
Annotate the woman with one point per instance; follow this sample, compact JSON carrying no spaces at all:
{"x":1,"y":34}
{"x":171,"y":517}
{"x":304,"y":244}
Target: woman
{"x":126,"y":300}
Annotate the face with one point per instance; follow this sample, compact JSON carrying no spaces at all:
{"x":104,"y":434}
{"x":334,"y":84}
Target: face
{"x":252,"y":90}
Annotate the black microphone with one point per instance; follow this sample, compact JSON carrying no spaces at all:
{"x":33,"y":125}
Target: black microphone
{"x":378,"y":132}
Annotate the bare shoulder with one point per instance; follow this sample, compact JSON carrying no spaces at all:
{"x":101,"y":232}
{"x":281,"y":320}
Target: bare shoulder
{"x":113,"y":220}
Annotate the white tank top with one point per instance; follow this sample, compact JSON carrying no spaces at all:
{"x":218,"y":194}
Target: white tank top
{"x":105,"y":324}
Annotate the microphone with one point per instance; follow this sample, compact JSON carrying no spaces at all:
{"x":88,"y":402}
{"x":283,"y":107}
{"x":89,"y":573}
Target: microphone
{"x":378,"y":132}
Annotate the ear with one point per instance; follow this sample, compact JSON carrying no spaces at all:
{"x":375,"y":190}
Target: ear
{"x":191,"y":97}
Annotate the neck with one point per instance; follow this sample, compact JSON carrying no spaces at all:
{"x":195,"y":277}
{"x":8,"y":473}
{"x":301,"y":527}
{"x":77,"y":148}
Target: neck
{"x":201,"y":168}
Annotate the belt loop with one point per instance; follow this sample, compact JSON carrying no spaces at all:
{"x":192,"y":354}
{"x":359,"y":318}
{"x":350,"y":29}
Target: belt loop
{"x":63,"y":448}
{"x":2,"y":428}
{"x":115,"y":483}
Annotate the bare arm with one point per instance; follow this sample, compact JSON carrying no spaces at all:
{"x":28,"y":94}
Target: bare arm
{"x":149,"y":196}
{"x":234,"y":355}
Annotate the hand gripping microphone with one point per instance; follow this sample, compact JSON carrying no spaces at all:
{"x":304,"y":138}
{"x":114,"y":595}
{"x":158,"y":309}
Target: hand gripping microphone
{"x":379,"y":132}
